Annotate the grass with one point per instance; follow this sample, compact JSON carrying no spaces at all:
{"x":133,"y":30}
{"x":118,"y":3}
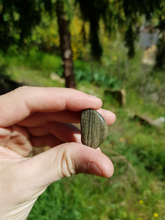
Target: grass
{"x":137,"y":189}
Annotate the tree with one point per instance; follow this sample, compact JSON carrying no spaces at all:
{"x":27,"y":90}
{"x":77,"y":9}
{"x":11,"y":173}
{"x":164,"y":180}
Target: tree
{"x":160,"y":55}
{"x":20,"y":17}
{"x":65,"y":45}
{"x":118,"y":16}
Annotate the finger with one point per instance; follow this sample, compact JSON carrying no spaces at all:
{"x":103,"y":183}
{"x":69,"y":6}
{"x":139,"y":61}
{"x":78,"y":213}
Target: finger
{"x":5,"y":134}
{"x":22,"y":102}
{"x":109,"y":116}
{"x":66,"y":160}
{"x":40,"y":118}
{"x":66,"y":116}
{"x":98,"y":149}
{"x":45,"y":140}
{"x":63,"y":131}
{"x":19,"y":141}
{"x":8,"y":154}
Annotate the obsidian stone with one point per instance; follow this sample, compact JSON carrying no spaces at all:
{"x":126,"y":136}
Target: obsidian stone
{"x":94,"y":128}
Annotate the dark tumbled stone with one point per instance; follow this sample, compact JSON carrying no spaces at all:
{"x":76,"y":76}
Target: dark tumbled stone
{"x":94,"y":128}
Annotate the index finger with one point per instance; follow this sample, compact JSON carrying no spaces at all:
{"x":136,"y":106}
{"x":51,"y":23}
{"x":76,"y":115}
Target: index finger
{"x":22,"y":102}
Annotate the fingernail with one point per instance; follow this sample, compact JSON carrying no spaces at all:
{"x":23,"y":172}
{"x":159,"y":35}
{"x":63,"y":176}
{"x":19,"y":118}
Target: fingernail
{"x":93,"y":169}
{"x":108,"y":112}
{"x":98,"y":149}
{"x":93,"y":97}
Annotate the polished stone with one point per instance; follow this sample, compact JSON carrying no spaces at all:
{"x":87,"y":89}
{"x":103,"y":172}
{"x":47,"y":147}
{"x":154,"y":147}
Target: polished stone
{"x":94,"y":128}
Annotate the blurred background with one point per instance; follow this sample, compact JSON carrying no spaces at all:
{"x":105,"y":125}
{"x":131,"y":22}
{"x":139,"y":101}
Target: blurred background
{"x":114,"y":49}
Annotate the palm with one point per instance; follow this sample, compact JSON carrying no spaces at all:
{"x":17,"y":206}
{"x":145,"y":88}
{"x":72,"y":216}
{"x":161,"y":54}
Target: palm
{"x":43,"y":117}
{"x":40,"y":132}
{"x":37,"y":117}
{"x":17,"y":139}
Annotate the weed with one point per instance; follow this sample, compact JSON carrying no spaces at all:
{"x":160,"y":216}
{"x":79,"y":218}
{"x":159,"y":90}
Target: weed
{"x":136,"y":190}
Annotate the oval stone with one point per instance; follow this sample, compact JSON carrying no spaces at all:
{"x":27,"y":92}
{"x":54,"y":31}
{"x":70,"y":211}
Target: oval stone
{"x":94,"y":128}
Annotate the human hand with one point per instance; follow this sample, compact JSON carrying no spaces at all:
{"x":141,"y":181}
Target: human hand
{"x":32,"y":116}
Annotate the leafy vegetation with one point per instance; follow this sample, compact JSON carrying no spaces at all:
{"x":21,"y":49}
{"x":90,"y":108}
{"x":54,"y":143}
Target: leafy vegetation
{"x":136,"y":190}
{"x":19,"y":24}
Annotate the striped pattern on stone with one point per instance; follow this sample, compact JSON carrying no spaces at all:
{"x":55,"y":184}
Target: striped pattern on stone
{"x":94,"y":128}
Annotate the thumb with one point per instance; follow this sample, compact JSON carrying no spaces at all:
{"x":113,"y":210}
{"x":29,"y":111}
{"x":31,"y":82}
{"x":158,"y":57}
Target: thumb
{"x":31,"y":176}
{"x":66,"y":160}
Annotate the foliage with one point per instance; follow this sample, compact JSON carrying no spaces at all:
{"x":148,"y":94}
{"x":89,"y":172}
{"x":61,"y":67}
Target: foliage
{"x":159,"y":21}
{"x":160,"y":58}
{"x":33,"y":70}
{"x":121,"y":16}
{"x":45,"y":64}
{"x":136,"y":190}
{"x":17,"y":18}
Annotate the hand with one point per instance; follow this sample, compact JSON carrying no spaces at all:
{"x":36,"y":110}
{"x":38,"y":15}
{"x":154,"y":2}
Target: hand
{"x":32,"y":116}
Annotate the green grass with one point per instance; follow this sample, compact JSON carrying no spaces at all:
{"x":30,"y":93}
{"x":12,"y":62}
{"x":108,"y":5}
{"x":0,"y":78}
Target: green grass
{"x":137,"y":189}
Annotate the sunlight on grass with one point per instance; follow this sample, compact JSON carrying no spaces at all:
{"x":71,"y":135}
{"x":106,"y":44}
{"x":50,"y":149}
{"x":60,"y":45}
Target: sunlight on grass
{"x":137,"y":189}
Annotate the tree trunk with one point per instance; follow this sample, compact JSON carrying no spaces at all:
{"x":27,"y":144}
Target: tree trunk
{"x":65,"y":45}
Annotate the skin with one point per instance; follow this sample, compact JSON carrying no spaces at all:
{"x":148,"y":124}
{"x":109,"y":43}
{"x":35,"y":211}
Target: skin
{"x":31,"y":116}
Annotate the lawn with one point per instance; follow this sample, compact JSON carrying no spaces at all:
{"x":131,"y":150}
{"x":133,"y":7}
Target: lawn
{"x":137,"y":189}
